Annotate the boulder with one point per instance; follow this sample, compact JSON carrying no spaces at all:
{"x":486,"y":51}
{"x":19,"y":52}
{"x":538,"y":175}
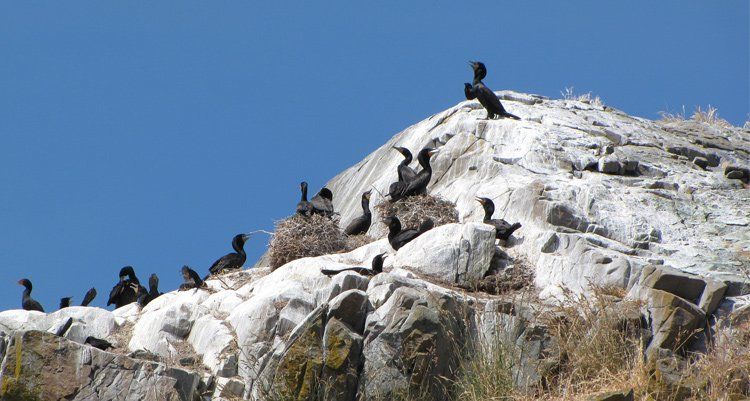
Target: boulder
{"x":454,"y":253}
{"x":71,"y":371}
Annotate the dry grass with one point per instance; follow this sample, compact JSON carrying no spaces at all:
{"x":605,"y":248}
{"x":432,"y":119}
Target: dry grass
{"x":569,"y":94}
{"x":413,"y":210}
{"x":709,"y":116}
{"x":303,"y":236}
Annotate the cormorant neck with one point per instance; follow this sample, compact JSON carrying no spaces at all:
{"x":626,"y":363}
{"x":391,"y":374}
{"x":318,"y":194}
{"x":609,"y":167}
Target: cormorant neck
{"x":394,"y":228}
{"x":238,"y":247}
{"x":26,"y":293}
{"x":304,"y":194}
{"x":488,"y":211}
{"x":424,"y":161}
{"x":366,"y":205}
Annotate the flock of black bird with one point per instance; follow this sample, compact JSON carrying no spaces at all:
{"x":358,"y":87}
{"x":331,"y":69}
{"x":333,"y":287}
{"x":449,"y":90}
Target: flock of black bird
{"x":410,"y":183}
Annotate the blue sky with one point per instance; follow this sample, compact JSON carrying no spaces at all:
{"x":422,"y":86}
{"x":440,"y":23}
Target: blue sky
{"x":149,"y":133}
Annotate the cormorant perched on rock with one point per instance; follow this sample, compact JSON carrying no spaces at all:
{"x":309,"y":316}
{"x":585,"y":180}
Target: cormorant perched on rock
{"x":398,"y":237}
{"x":191,"y":279}
{"x":98,"y":343}
{"x":322,"y":203}
{"x":418,"y":185}
{"x":405,"y":174}
{"x":127,"y":290}
{"x":153,"y":291}
{"x":361,"y":224}
{"x":90,"y":295}
{"x":65,"y":302}
{"x":304,"y":207}
{"x":503,"y":229}
{"x":485,"y":95}
{"x":233,"y":260}
{"x":28,"y":303}
{"x":377,"y":267}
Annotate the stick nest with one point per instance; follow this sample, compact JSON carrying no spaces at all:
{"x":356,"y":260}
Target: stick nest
{"x":413,"y":210}
{"x":304,"y":236}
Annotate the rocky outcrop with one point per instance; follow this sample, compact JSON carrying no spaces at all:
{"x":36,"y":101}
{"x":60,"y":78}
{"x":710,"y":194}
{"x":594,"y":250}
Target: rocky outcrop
{"x":54,"y":368}
{"x":656,"y":210}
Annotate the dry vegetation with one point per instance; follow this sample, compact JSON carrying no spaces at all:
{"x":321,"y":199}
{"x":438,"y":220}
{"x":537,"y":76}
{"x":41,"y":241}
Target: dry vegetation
{"x":413,"y":210}
{"x":303,"y":236}
{"x":569,"y":94}
{"x":709,"y":116}
{"x":600,"y":344}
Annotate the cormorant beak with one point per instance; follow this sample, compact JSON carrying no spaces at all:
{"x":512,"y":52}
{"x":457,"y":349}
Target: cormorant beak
{"x":122,"y":278}
{"x":245,"y":237}
{"x":20,"y":282}
{"x":433,"y":151}
{"x":480,"y":200}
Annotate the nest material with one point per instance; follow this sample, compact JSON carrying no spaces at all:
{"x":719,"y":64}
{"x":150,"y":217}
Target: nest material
{"x":413,"y":210}
{"x":303,"y":236}
{"x":355,"y":241}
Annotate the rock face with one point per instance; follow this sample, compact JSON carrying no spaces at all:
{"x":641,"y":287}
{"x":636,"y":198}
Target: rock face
{"x":659,"y":210}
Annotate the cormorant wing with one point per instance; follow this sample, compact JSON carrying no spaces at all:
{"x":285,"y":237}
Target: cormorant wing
{"x":404,"y":237}
{"x":321,"y":205}
{"x":407,"y":173}
{"x":90,"y":295}
{"x":32,"y":304}
{"x":489,"y":100}
{"x":469,"y":91}
{"x":115,"y":294}
{"x":397,"y":190}
{"x":360,"y":225}
{"x":227,"y":261}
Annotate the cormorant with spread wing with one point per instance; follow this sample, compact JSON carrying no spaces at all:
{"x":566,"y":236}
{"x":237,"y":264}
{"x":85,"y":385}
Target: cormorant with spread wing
{"x":488,"y":99}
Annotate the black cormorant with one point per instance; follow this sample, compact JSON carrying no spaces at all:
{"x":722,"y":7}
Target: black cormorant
{"x":127,"y":290}
{"x":90,"y":295}
{"x":361,"y":224}
{"x":398,"y":237}
{"x":233,"y":260}
{"x":418,"y":186}
{"x":153,"y":291}
{"x":322,"y":203}
{"x":191,"y":279}
{"x":28,"y":303}
{"x":405,"y":175}
{"x":486,"y":97}
{"x":65,"y":302}
{"x":503,"y":229}
{"x":304,"y":207}
{"x":377,"y":268}
{"x":98,"y":343}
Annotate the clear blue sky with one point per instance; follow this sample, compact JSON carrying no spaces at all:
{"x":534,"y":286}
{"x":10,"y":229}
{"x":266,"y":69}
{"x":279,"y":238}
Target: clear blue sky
{"x":149,"y":133}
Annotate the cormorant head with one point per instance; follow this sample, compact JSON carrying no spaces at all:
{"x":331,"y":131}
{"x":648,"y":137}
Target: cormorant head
{"x":377,"y":262}
{"x":185,"y":272}
{"x":488,"y":205}
{"x":468,"y":86}
{"x":480,"y":71}
{"x":127,"y":272}
{"x":26,"y":283}
{"x":393,"y":223}
{"x":366,"y":195}
{"x":239,"y":241}
{"x":326,"y":193}
{"x":153,"y":283}
{"x":405,"y":152}
{"x":425,"y":154}
{"x":303,"y":185}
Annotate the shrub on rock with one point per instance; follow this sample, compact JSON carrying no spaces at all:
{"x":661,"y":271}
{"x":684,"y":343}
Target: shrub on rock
{"x":304,"y":236}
